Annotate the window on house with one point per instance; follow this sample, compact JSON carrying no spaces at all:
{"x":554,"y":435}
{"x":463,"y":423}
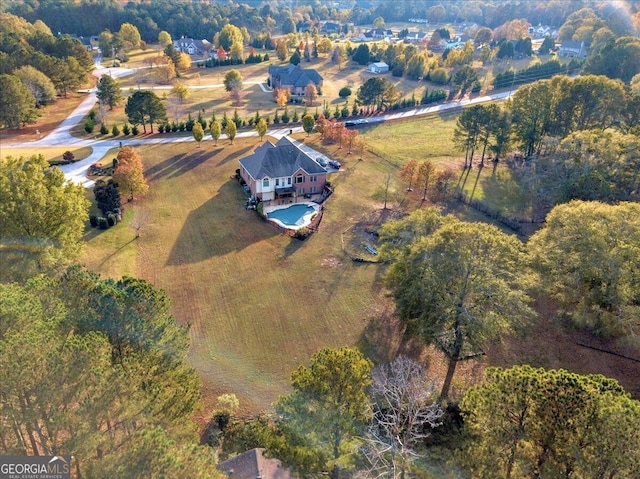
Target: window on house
{"x":312,"y":189}
{"x":265,"y":183}
{"x":301,"y":191}
{"x":300,"y":179}
{"x":277,"y":181}
{"x":313,"y":178}
{"x":289,"y":181}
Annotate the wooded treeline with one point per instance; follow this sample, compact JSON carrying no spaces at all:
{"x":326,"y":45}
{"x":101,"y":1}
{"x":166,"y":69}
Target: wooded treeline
{"x":578,"y":139}
{"x":97,"y":369}
{"x":203,"y":19}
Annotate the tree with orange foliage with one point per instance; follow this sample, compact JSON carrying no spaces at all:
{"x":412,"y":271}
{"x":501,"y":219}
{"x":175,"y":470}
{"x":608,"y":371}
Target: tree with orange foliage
{"x":321,"y":124}
{"x":350,"y":137}
{"x":310,"y":94}
{"x":408,"y":172}
{"x":425,"y":176}
{"x":129,"y":173}
{"x":282,"y":96}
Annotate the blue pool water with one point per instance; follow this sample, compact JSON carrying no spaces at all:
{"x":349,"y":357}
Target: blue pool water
{"x":292,"y":215}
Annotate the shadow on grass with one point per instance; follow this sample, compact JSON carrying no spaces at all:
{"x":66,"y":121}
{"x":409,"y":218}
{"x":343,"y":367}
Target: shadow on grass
{"x":218,"y":227}
{"x":385,"y":337}
{"x":107,"y":258}
{"x":505,"y":194}
{"x":91,"y":233}
{"x":233,"y":154}
{"x":179,"y":164}
{"x":293,"y":246}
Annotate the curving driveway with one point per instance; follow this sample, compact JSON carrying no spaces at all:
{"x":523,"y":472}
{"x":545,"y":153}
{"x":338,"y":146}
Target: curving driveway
{"x":76,"y":172}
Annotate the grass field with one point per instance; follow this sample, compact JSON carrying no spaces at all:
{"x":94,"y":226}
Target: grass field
{"x":49,"y":153}
{"x":259,"y":303}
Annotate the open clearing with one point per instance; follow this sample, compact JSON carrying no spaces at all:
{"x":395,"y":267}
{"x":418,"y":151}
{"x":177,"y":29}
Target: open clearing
{"x":260,"y":303}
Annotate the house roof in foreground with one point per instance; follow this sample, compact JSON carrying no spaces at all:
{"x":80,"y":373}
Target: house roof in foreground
{"x":252,"y":465}
{"x":280,"y":160}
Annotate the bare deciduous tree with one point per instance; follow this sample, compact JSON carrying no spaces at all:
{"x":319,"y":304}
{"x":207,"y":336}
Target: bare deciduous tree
{"x":404,"y":409}
{"x":141,"y":218}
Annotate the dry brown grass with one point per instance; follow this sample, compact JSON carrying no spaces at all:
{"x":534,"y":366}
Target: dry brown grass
{"x":52,"y":116}
{"x":259,"y":303}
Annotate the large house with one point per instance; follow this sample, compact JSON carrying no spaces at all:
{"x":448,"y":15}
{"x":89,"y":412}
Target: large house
{"x":192,"y":47}
{"x":294,"y":77}
{"x":253,"y":465}
{"x":416,"y":37}
{"x":282,"y":173}
{"x":331,"y":27}
{"x":378,"y":33}
{"x":573,"y":49}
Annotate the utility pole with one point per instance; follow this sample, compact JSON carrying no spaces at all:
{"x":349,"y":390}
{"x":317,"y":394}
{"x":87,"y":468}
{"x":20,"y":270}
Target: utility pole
{"x":513,"y":81}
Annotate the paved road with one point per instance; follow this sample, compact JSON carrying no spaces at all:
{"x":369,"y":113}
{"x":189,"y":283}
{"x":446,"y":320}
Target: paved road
{"x":76,"y":172}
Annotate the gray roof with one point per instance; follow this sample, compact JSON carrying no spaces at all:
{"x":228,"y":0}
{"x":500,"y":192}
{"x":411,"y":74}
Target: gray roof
{"x":295,"y":75}
{"x":278,"y":161}
{"x":252,"y":465}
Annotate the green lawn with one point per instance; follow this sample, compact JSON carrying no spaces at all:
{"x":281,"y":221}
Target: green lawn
{"x":431,"y":138}
{"x":426,"y":138}
{"x":259,"y":303}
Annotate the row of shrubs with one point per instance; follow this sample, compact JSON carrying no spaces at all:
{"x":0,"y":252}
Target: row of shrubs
{"x":429,"y":96}
{"x":534,"y":72}
{"x":253,"y":58}
{"x":127,"y":129}
{"x":111,"y":218}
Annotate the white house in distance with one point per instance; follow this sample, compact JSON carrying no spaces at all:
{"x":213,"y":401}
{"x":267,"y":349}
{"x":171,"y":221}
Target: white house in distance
{"x":378,"y":67}
{"x":192,"y":47}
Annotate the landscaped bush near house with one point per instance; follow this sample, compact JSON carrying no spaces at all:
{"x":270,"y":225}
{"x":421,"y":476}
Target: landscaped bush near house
{"x":93,"y":221}
{"x":302,"y":233}
{"x":115,"y":131}
{"x":126,"y":129}
{"x":161,"y":128}
{"x":103,"y":129}
{"x":103,"y":224}
{"x":111,"y":219}
{"x":135,"y":130}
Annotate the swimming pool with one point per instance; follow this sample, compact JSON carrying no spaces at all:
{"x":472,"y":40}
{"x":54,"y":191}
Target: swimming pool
{"x":294,"y":216}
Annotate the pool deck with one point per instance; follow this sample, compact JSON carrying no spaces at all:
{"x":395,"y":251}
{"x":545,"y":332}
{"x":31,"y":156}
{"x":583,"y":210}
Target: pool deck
{"x":306,"y":218}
